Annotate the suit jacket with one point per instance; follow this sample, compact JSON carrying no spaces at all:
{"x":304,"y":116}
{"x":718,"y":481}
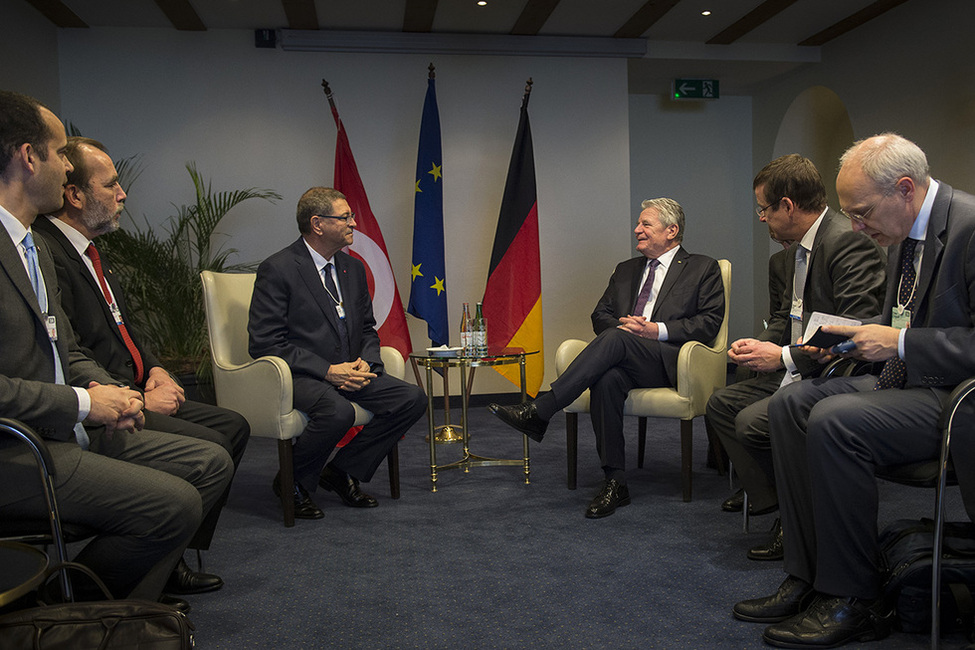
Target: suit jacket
{"x":939,"y":347}
{"x":690,"y":304}
{"x":293,"y":317}
{"x":778,"y":265}
{"x":27,"y":389}
{"x":845,"y":276}
{"x":84,"y":303}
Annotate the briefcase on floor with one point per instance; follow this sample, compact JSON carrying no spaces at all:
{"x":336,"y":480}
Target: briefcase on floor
{"x":107,"y":624}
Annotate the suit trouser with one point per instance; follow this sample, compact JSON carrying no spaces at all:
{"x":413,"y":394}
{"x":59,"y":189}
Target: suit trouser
{"x":828,"y":437}
{"x":613,"y":364}
{"x":221,"y":426}
{"x":394,"y":404}
{"x":144,"y":492}
{"x":738,"y":415}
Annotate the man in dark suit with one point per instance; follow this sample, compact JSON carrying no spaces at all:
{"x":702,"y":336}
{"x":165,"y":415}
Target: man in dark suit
{"x":95,"y":305}
{"x":653,"y":304}
{"x":843,"y":276}
{"x":828,"y":436}
{"x":311,"y":307}
{"x":144,"y":492}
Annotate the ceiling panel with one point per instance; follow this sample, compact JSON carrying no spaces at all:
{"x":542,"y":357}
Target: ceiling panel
{"x":466,"y":16}
{"x":585,"y":17}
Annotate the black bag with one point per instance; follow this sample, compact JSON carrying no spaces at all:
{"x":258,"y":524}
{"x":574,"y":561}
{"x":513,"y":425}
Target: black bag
{"x":906,"y":545}
{"x":105,"y":625}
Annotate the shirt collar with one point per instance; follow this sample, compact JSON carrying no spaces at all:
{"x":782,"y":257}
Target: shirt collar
{"x":317,"y":258}
{"x":668,"y":258}
{"x":809,"y":238}
{"x":13,"y":226}
{"x":920,"y":228}
{"x":79,"y":241}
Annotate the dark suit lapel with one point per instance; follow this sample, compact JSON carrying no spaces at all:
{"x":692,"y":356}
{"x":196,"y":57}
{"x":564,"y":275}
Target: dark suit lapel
{"x":82,"y":271}
{"x":313,"y":282}
{"x":349,"y":288}
{"x":934,"y":244}
{"x":673,"y":275}
{"x":14,"y":267}
{"x":632,"y":291}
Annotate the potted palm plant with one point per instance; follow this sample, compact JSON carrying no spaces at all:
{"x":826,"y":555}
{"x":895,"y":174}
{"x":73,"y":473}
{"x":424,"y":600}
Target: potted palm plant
{"x":159,"y":269}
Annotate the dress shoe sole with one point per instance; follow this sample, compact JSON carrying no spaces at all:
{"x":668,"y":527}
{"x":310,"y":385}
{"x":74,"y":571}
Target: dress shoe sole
{"x":761,"y":619}
{"x":600,"y":515}
{"x":310,"y":515}
{"x":868,"y":635}
{"x":350,"y":504}
{"x":768,"y":557}
{"x":189,"y":591}
{"x":534,"y":435}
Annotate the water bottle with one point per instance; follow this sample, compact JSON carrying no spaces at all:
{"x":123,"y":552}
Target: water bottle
{"x":466,"y":332}
{"x":480,"y":333}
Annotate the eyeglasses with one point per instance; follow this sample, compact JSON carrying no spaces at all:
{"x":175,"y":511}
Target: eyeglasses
{"x":860,"y":218}
{"x":760,"y":211}
{"x":341,"y":217}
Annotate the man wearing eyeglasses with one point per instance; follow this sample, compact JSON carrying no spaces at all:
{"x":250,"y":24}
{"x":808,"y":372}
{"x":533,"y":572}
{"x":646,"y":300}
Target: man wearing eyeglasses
{"x":829,"y":269}
{"x":311,"y":307}
{"x":829,"y":436}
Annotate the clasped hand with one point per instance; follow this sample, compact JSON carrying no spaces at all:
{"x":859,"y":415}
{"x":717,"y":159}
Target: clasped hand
{"x":163,"y":394}
{"x":640,"y":326}
{"x":350,"y":376}
{"x":761,"y":356}
{"x":115,"y":407}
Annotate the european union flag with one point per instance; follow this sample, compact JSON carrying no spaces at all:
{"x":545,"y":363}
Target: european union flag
{"x":428,"y":288}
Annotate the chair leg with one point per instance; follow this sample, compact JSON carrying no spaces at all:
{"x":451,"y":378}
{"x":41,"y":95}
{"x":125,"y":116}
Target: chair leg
{"x":287,"y":467}
{"x":571,"y":448}
{"x":392,"y":462}
{"x":686,"y":456}
{"x":641,"y":441}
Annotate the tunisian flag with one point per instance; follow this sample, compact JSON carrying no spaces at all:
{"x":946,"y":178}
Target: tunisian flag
{"x":513,"y":297}
{"x":369,"y":246}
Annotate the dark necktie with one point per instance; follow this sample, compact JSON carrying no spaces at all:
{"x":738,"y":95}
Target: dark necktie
{"x":334,"y":295}
{"x":641,"y":301}
{"x":894,"y":374}
{"x":96,"y":261}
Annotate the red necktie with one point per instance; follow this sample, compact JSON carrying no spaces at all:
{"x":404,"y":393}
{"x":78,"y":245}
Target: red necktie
{"x":96,"y":261}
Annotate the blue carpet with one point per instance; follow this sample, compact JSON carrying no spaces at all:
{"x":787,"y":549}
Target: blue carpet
{"x":489,"y":562}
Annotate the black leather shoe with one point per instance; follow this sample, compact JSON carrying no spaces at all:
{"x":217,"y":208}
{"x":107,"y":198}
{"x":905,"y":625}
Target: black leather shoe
{"x":186,"y":581}
{"x":613,"y":495}
{"x":830,"y":622}
{"x":794,"y":596}
{"x":178,"y":604}
{"x":523,"y":417}
{"x":771,"y":550}
{"x":735,"y":502}
{"x":305,"y":508}
{"x":347,"y":488}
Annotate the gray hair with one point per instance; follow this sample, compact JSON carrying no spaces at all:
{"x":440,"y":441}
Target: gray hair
{"x":670,"y":214}
{"x":887,"y":157}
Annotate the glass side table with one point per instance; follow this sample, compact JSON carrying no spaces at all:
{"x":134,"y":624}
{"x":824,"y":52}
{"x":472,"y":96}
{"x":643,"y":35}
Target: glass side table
{"x":467,"y":364}
{"x":23,"y":570}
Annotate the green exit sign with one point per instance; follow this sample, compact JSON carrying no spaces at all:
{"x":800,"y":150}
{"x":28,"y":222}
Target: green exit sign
{"x":695,"y":88}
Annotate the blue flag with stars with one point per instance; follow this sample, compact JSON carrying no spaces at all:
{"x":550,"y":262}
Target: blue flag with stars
{"x":428,"y":287}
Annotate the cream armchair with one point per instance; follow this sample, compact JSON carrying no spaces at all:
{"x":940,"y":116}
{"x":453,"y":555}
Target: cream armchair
{"x":260,"y":389}
{"x":701,"y":369}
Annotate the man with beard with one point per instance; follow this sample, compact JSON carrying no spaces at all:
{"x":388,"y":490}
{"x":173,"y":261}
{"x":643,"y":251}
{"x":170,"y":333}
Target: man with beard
{"x":143,"y":492}
{"x":95,"y":305}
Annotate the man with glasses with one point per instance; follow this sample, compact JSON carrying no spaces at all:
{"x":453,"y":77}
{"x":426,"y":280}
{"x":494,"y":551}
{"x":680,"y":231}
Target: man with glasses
{"x":311,"y":307}
{"x":829,"y":269}
{"x":828,"y":436}
{"x":654,"y":303}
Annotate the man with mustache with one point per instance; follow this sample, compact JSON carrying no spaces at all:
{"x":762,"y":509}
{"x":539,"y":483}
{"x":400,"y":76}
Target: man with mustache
{"x":311,"y":307}
{"x":143,"y":492}
{"x":95,"y":305}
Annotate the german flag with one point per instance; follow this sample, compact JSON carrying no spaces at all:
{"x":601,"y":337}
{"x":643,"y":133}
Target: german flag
{"x":513,"y":298}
